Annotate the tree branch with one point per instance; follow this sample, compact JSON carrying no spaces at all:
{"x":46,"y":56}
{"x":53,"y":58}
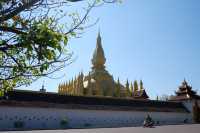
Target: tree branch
{"x":11,"y":29}
{"x":19,"y":9}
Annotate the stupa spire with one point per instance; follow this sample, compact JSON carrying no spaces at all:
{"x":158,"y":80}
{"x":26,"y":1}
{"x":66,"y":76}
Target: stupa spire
{"x":98,"y":59}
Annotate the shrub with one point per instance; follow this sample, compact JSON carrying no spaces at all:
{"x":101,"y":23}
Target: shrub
{"x":87,"y":125}
{"x":18,"y":124}
{"x":64,"y":122}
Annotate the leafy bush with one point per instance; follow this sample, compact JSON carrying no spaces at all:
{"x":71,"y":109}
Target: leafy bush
{"x":87,"y":125}
{"x":18,"y":124}
{"x":64,"y":122}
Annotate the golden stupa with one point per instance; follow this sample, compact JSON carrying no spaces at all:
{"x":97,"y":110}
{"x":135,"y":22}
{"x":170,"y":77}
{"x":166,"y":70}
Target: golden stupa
{"x":99,"y":82}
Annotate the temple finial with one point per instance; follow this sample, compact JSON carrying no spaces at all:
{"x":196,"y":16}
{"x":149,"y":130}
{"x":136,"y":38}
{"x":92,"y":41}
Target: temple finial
{"x":43,"y":89}
{"x":184,"y":83}
{"x":99,"y":32}
{"x":43,"y":84}
{"x":184,"y":80}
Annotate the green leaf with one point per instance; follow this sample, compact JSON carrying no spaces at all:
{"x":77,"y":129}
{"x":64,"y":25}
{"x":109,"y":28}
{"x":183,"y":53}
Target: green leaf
{"x":65,"y":40}
{"x":73,"y":33}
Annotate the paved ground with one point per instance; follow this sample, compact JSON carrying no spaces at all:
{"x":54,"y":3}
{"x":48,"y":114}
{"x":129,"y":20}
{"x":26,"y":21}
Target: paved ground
{"x":195,"y":128}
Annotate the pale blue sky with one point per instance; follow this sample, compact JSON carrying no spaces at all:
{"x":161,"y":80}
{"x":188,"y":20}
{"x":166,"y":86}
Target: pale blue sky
{"x":157,"y":41}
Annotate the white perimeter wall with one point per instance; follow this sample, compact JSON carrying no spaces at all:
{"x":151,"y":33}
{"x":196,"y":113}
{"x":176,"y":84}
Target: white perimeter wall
{"x":46,"y":118}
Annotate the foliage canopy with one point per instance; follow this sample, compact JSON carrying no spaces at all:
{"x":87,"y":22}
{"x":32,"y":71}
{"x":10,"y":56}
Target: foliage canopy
{"x":33,"y":40}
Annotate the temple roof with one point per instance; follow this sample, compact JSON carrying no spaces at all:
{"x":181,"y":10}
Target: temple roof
{"x":185,"y":89}
{"x":185,"y":86}
{"x":140,"y":94}
{"x":185,"y":92}
{"x":25,"y":98}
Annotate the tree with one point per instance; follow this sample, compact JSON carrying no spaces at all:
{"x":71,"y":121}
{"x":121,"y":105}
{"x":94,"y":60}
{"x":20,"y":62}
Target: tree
{"x":33,"y":37}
